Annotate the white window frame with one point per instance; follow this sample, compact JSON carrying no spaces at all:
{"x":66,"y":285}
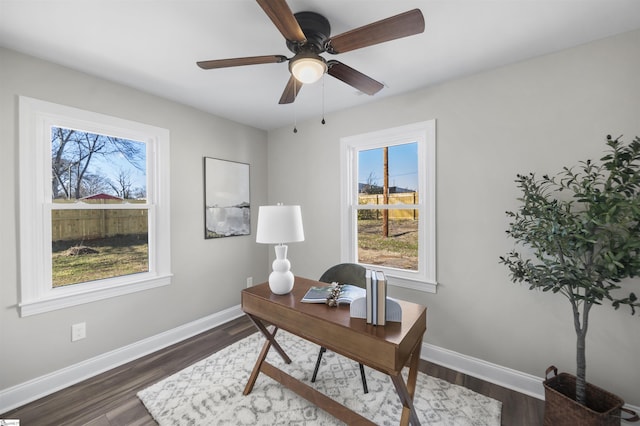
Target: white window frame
{"x":424,"y":134}
{"x":35,"y":121}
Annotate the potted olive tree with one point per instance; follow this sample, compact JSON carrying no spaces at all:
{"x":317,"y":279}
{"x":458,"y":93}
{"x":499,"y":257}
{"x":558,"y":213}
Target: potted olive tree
{"x":581,"y":232}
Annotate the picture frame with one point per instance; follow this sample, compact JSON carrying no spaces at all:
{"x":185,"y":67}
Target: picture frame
{"x":227,"y":198}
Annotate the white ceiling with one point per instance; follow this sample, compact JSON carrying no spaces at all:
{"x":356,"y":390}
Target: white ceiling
{"x":153,"y":45}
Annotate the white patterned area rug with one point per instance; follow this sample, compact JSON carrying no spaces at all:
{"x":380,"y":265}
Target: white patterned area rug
{"x":210,"y":392}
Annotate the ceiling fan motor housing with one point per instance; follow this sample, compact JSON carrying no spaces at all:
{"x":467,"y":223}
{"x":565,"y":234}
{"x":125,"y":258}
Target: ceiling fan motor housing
{"x":316,"y":29}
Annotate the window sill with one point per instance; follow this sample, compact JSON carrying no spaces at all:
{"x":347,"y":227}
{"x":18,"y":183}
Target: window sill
{"x":424,"y":286}
{"x":43,"y":305}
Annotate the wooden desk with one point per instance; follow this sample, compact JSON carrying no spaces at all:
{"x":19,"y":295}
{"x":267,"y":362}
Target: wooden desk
{"x":385,"y":348}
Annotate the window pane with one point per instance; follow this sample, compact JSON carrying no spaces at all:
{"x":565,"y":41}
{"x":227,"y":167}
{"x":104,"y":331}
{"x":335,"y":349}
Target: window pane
{"x":388,"y":238}
{"x":92,"y":244}
{"x":89,"y":245}
{"x":88,"y":165}
{"x":400,"y":176}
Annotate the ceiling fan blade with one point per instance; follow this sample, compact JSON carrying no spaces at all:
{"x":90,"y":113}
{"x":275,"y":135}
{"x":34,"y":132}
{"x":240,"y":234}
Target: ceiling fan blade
{"x":291,"y":91}
{"x":280,"y":13}
{"x":398,"y":26}
{"x":354,"y":78}
{"x":236,"y":62}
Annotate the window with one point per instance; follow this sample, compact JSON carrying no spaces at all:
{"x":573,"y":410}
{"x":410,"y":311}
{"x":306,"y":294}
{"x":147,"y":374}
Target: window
{"x":94,"y":206}
{"x":388,"y":203}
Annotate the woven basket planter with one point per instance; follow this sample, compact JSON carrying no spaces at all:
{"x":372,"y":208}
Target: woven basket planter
{"x":561,"y":409}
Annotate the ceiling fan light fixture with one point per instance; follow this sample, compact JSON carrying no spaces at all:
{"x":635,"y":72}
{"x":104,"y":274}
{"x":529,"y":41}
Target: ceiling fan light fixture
{"x":308,"y":69}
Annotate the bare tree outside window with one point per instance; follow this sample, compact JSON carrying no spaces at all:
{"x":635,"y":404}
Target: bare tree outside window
{"x":80,"y":159}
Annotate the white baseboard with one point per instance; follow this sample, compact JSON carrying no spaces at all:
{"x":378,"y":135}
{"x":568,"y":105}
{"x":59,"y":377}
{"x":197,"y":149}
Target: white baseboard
{"x":493,"y":373}
{"x":24,"y":393}
{"x":503,"y":376}
{"x":39,"y":387}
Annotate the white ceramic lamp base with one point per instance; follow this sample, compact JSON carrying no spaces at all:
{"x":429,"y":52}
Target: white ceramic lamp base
{"x":281,"y":279}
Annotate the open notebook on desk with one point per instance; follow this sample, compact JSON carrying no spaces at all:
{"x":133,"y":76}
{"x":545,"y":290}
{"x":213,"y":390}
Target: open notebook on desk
{"x":348,"y":293}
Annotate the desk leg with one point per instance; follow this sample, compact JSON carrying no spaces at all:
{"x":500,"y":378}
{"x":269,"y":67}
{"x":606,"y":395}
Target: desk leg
{"x":270,"y":337}
{"x":406,"y":392}
{"x":263,"y":353}
{"x":256,"y":368}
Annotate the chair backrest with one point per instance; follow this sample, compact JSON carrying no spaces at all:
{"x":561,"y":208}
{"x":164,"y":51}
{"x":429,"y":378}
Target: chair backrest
{"x":345,"y":273}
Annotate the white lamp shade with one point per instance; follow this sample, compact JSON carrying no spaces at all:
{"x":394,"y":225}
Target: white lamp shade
{"x":279,"y":224}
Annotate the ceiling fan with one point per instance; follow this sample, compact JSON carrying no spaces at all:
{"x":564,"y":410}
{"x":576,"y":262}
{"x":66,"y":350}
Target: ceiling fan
{"x":308,"y":35}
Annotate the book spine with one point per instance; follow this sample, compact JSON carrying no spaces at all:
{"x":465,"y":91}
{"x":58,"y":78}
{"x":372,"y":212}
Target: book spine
{"x":369,"y":295}
{"x":382,"y":298}
{"x":374,"y":298}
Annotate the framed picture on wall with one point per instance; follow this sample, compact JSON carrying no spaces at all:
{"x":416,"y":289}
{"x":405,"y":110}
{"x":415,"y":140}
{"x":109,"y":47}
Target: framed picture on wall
{"x":227,"y":203}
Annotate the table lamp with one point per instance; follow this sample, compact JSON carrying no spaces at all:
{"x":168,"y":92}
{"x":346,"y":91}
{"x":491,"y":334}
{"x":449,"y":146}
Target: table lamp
{"x":279,"y":225}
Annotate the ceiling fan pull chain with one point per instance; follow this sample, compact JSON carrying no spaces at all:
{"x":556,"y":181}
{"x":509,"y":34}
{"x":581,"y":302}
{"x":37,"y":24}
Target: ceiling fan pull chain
{"x":323,"y":122}
{"x":295,"y":118}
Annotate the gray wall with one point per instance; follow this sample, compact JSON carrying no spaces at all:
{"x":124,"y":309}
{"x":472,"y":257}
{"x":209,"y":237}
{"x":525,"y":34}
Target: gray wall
{"x":536,"y":115}
{"x":208,"y":274}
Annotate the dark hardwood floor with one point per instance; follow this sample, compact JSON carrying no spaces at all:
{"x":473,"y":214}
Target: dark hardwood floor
{"x":109,"y":399}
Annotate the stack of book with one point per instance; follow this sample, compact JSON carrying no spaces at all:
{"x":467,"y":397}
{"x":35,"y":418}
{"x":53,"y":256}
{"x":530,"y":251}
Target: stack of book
{"x":376,"y":288}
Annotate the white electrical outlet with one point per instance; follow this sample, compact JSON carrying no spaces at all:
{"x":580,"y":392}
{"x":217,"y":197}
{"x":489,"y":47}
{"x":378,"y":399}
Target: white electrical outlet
{"x":249,"y":282}
{"x":78,"y":331}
